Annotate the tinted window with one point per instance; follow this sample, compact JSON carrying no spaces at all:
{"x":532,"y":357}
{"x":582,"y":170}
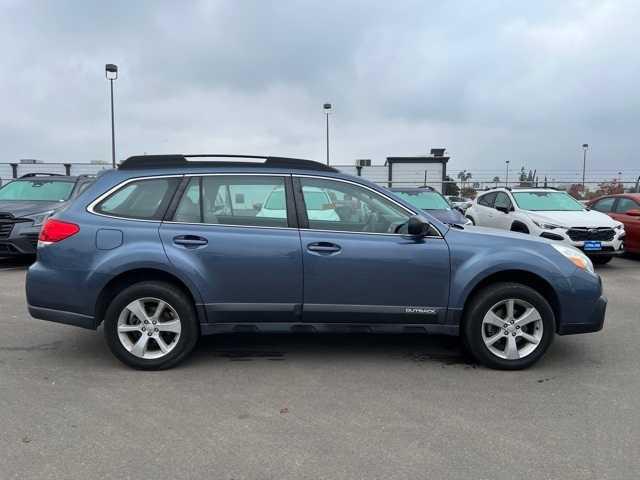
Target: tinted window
{"x":334,"y":205}
{"x":234,"y":200}
{"x":626,"y":204}
{"x":605,"y":205}
{"x":487,"y":200}
{"x":35,"y":190}
{"x":142,"y":199}
{"x":502,"y":200}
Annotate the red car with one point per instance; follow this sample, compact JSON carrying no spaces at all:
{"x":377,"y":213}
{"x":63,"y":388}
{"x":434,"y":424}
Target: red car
{"x":624,"y":207}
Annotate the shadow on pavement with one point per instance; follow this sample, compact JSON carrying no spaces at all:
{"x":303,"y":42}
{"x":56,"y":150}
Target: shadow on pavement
{"x":16,"y":263}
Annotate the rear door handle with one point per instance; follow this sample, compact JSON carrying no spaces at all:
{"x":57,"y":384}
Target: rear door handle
{"x":190,"y":241}
{"x":324,"y":247}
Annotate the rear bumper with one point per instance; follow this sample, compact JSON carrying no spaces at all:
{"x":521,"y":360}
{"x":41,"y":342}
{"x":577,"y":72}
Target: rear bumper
{"x":593,"y":323}
{"x":60,"y":316}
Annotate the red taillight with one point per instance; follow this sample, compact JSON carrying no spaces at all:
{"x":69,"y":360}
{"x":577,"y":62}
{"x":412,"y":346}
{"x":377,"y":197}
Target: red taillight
{"x":56,"y":230}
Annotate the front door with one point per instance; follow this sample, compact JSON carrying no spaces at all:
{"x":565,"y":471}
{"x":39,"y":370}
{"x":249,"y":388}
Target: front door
{"x":356,"y":267}
{"x":631,"y":222}
{"x":235,"y":235}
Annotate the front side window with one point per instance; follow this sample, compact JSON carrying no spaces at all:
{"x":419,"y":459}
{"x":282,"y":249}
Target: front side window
{"x":547,"y":202}
{"x":141,"y":199}
{"x":487,"y":200}
{"x":502,"y":200}
{"x":626,"y":204}
{"x":342,"y":206}
{"x":425,"y":200}
{"x":37,"y":190}
{"x":234,"y":200}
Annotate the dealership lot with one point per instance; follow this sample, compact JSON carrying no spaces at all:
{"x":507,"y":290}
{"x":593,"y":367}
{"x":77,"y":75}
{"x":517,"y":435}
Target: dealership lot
{"x":260,"y":407}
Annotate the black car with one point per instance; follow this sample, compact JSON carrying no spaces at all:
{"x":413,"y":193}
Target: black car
{"x":430,"y":200}
{"x":25,"y":203}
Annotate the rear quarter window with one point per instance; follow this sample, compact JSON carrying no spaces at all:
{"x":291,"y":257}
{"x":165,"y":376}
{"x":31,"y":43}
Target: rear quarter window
{"x":140,"y":199}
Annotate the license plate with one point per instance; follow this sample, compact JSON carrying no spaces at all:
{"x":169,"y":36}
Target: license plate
{"x":592,"y":246}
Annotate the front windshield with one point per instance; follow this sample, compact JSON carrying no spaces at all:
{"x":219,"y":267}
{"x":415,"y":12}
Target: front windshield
{"x":425,"y":200}
{"x":547,"y":201}
{"x":36,"y":190}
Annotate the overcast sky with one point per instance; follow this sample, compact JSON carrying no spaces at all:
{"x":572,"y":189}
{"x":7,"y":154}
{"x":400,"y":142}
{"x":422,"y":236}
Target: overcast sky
{"x":489,"y":80}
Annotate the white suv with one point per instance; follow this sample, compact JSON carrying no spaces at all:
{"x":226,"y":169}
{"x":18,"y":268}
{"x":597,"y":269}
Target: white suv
{"x":551,"y":214}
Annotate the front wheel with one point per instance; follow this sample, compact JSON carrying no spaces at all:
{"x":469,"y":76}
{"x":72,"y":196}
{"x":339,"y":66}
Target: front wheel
{"x":601,"y":259}
{"x":508,"y":326}
{"x":151,"y":326}
{"x":473,"y":222}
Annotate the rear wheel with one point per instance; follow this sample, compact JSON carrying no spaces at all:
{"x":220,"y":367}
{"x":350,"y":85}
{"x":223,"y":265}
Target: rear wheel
{"x":508,"y":326}
{"x":151,"y":326}
{"x":601,"y":259}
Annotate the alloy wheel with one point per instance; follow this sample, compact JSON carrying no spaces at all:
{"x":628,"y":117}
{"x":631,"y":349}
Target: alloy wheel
{"x":512,"y":329}
{"x":149,"y":328}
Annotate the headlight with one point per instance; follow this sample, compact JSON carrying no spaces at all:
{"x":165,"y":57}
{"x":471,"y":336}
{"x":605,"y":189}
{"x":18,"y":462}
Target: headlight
{"x":620,"y":226}
{"x":39,"y":218}
{"x":547,"y":226}
{"x":576,"y":257}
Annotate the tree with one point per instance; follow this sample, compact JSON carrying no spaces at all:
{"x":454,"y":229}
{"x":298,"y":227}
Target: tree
{"x":450,"y":187}
{"x":464,"y":177}
{"x":576,"y":190}
{"x":610,"y":188}
{"x":468,"y":192}
{"x":496,"y":180}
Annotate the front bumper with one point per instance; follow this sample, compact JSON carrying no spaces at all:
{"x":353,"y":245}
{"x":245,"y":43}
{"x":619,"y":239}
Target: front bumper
{"x":610,"y":247}
{"x":593,"y":323}
{"x":22,"y":240}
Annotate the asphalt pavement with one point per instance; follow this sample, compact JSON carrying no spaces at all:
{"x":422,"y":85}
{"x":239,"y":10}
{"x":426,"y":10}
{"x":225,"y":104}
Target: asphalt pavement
{"x":319,"y":406}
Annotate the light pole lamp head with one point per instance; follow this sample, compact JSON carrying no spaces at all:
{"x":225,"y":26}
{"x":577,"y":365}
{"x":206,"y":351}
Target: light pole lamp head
{"x":585,"y":145}
{"x":111,"y":71}
{"x":327,"y":107}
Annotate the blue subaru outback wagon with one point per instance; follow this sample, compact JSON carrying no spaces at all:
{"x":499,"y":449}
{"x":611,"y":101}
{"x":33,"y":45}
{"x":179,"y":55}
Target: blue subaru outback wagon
{"x":171,"y":247}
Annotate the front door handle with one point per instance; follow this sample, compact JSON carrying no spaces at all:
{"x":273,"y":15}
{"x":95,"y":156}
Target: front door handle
{"x":324,"y":247}
{"x":190,"y":241}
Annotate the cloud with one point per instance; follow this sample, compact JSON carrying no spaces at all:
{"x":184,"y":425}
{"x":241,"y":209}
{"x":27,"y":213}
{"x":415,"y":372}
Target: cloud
{"x":488,"y":80}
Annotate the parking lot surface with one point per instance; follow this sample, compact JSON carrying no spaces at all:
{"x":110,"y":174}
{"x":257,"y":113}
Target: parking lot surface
{"x":319,"y":407}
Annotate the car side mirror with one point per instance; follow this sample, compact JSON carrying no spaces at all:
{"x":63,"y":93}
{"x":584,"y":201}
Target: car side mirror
{"x":417,"y":227}
{"x":503,"y":209}
{"x":634,"y":212}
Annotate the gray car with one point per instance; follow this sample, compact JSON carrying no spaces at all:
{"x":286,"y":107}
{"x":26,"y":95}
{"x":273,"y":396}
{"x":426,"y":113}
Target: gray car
{"x":25,"y":204}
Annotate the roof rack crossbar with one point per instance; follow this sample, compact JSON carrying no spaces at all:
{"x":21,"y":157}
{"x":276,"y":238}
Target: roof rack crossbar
{"x":180,"y":160}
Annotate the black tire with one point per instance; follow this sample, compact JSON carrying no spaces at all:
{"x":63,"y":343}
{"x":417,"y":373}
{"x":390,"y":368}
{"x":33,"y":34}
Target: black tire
{"x":473,"y":222}
{"x":173,"y":296}
{"x":478,"y":307}
{"x":601,"y":259}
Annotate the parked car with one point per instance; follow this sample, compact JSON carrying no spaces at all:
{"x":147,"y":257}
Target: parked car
{"x":460,"y":203}
{"x":166,"y":249}
{"x":27,"y":202}
{"x":625,"y":208}
{"x":431,"y":201}
{"x":319,"y":205}
{"x":551,"y":214}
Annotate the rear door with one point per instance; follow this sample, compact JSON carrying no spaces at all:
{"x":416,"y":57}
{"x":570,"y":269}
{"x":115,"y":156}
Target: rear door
{"x":356,"y":267}
{"x":244,"y":257}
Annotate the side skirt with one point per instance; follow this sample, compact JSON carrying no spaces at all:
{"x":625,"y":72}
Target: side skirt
{"x":279,"y":327}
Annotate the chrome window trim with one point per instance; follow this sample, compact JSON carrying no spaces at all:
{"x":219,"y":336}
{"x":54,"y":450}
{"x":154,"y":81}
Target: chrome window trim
{"x":408,"y":210}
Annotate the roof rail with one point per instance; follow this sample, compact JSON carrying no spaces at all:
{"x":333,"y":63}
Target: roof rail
{"x":212,"y":160}
{"x":517,"y":187}
{"x":39,"y":174}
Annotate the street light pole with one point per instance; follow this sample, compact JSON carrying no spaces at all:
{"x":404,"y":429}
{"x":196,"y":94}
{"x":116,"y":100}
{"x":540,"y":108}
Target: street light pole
{"x":111,"y":73}
{"x":585,"y":147}
{"x":327,"y":110}
{"x":506,"y":178}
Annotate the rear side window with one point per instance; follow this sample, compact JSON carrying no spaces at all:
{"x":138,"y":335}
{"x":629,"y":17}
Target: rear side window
{"x":243,"y":200}
{"x":141,"y":199}
{"x":487,"y":200}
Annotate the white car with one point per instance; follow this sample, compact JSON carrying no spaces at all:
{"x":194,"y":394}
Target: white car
{"x":460,"y":203}
{"x":551,"y":214}
{"x":319,"y":205}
